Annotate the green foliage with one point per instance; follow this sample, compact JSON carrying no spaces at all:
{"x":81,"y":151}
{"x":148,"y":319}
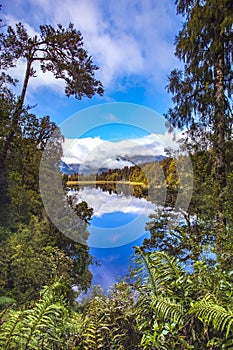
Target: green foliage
{"x":37,"y":327}
{"x":202,"y":92}
{"x":180,"y":309}
{"x":20,"y":178}
{"x":165,"y":307}
{"x":59,"y":51}
{"x":178,"y":234}
{"x":207,"y":310}
{"x":95,"y":326}
{"x":108,"y":322}
{"x":35,"y":254}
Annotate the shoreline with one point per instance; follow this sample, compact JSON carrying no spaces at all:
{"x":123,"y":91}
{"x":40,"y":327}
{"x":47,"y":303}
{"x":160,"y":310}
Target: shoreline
{"x":102,"y":182}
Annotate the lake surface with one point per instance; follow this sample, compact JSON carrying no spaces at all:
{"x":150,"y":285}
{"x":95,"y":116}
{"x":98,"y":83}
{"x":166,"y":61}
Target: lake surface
{"x":118,"y":224}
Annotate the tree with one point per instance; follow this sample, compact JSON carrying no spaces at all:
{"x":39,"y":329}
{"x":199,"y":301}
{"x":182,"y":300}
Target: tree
{"x":20,"y":195}
{"x":34,"y":255}
{"x":178,"y":234}
{"x":34,"y":249}
{"x":186,"y":234}
{"x":59,"y":51}
{"x":202,"y":91}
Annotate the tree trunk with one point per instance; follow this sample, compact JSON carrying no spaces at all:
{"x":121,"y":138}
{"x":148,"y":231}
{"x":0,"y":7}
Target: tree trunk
{"x":4,"y":196}
{"x":16,"y":115}
{"x":220,"y":148}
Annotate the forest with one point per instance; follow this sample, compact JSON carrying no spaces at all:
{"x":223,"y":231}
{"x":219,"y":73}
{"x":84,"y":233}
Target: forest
{"x":160,"y":304}
{"x":145,"y":179}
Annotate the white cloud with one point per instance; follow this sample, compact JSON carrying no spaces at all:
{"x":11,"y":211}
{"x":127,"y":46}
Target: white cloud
{"x":105,"y":203}
{"x":96,"y":153}
{"x":41,"y":79}
{"x":125,"y":38}
{"x":79,"y":149}
{"x":114,"y":51}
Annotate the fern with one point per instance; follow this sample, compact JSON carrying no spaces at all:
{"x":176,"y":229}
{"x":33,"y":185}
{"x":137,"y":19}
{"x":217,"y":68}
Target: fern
{"x":168,"y":265}
{"x":32,"y":328}
{"x":95,"y":326}
{"x":160,"y":273}
{"x":71,"y":331}
{"x":10,"y":333}
{"x":167,"y":309}
{"x":209,"y":312}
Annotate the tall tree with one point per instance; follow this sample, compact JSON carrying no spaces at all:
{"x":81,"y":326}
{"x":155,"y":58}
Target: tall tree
{"x":59,"y":51}
{"x":23,"y":138}
{"x":202,"y":92}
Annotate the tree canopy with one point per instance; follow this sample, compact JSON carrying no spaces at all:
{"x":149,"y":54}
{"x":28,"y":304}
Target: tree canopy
{"x":202,"y":91}
{"x":59,"y":51}
{"x":33,"y":251}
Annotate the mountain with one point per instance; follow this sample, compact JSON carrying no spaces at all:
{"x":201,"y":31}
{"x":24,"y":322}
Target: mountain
{"x":137,"y":160}
{"x":69,"y":168}
{"x":87,"y":169}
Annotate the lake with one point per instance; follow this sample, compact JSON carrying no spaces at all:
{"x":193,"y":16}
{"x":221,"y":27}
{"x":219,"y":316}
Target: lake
{"x":135,"y":146}
{"x":118,"y":223}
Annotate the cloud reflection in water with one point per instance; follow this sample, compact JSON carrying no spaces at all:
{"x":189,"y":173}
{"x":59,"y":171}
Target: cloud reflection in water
{"x":118,"y":219}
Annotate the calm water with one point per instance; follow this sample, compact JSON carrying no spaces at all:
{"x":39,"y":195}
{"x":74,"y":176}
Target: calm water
{"x":118,"y":224}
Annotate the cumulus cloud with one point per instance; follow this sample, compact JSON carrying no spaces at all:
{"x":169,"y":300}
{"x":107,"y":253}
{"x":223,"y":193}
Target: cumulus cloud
{"x":115,"y":51}
{"x":96,"y":153}
{"x":105,"y":203}
{"x":133,"y":211}
{"x":76,"y":150}
{"x":122,"y":45}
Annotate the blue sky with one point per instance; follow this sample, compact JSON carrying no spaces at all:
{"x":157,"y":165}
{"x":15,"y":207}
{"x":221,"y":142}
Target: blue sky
{"x":114,"y":262}
{"x":118,"y":219}
{"x":132,"y":42}
{"x":134,"y":120}
{"x":101,"y":134}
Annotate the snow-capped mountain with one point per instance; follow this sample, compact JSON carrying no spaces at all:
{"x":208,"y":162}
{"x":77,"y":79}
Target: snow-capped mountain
{"x":89,"y":155}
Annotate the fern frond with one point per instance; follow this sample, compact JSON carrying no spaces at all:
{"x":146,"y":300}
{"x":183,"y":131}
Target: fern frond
{"x":209,"y":312}
{"x":94,"y":328}
{"x":157,"y":270}
{"x":167,"y":267}
{"x":10,"y":329}
{"x":43,"y":317}
{"x":31,"y":328}
{"x":167,"y":309}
